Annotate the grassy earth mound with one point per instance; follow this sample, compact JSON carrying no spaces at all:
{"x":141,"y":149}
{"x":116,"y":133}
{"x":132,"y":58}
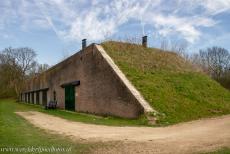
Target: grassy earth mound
{"x":174,"y":87}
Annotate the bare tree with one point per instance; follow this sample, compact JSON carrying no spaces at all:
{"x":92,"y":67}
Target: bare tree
{"x":215,"y":60}
{"x":15,"y":65}
{"x":42,"y":68}
{"x":24,"y":58}
{"x":38,"y":68}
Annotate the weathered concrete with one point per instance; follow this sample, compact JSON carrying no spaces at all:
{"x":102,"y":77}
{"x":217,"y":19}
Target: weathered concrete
{"x":103,"y":88}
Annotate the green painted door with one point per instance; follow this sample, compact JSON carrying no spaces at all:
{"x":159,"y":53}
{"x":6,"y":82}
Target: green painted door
{"x":70,"y":97}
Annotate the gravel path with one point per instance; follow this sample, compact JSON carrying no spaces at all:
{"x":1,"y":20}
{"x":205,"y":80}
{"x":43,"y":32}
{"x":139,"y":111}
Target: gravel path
{"x":196,"y":136}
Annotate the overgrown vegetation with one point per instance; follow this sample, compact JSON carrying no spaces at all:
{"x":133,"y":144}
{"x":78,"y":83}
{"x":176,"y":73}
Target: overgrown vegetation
{"x":224,"y":150}
{"x":173,"y":86}
{"x":15,"y":132}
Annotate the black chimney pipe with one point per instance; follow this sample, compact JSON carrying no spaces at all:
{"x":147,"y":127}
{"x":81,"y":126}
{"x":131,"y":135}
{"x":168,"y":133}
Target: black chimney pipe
{"x":144,"y":41}
{"x":83,"y":43}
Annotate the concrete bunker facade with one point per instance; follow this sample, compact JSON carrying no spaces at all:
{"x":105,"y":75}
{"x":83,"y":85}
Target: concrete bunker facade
{"x":89,"y":81}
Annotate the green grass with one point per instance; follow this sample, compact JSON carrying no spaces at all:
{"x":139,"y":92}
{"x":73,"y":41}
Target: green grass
{"x":86,"y":118}
{"x":93,"y":119}
{"x":174,"y":87}
{"x":221,"y":151}
{"x":99,"y":120}
{"x":15,"y":132}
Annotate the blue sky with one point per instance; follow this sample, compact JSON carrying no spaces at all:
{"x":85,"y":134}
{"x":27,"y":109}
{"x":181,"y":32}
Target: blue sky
{"x":55,"y":28}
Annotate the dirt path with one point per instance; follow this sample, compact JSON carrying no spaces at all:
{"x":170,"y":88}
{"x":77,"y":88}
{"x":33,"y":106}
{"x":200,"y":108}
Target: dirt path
{"x":196,"y":136}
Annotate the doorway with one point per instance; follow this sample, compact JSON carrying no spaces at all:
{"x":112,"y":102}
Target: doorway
{"x":70,"y":97}
{"x":29,"y":101}
{"x":32,"y":98}
{"x":44,"y":97}
{"x":37,"y":97}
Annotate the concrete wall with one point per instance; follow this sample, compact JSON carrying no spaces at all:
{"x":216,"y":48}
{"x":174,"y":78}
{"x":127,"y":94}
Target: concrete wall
{"x":101,"y":91}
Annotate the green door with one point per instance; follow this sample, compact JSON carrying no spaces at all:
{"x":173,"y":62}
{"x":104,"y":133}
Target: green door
{"x":70,"y":97}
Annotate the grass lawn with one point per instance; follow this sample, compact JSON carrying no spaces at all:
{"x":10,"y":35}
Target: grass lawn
{"x":15,"y":132}
{"x":221,"y":151}
{"x":174,"y":87}
{"x":82,"y":117}
{"x":99,"y":120}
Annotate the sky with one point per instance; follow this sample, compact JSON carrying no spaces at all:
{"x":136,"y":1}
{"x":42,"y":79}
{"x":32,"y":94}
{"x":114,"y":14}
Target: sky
{"x":55,"y":28}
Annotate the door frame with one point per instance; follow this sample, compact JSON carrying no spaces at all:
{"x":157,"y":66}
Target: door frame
{"x":73,"y":85}
{"x":70,"y":101}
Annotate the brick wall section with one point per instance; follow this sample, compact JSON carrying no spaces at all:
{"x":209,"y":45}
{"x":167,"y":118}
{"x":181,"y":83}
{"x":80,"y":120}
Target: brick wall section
{"x":101,"y":90}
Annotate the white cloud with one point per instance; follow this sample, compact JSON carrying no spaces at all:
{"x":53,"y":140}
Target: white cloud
{"x":186,"y":26}
{"x":97,"y":19}
{"x":215,"y":6}
{"x":103,"y":20}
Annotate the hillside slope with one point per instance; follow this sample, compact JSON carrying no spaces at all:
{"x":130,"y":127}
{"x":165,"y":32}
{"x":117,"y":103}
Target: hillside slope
{"x":171,"y":85}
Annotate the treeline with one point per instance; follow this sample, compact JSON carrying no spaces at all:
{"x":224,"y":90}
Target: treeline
{"x":17,"y":65}
{"x":215,"y":61}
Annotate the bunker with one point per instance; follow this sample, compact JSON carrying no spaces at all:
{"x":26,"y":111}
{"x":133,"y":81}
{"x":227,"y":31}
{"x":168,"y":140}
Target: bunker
{"x":88,"y":81}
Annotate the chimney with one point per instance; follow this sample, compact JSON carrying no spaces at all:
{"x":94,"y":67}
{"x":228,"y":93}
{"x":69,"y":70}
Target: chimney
{"x":144,"y":41}
{"x":83,"y":43}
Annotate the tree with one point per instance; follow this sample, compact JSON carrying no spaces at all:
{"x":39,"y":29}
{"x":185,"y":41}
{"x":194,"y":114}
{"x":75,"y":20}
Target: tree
{"x":215,"y":60}
{"x":15,"y":66}
{"x":38,"y":68}
{"x":42,"y":68}
{"x":225,"y":79}
{"x":24,"y":58}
